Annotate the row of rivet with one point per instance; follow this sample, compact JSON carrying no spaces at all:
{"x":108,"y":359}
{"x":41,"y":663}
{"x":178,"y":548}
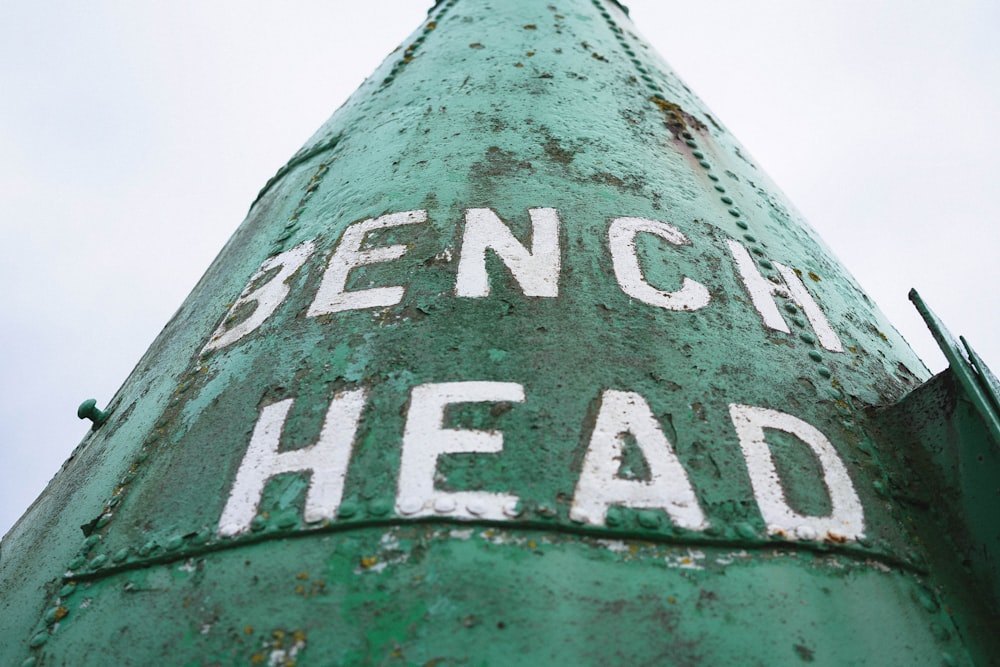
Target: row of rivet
{"x":619,"y":34}
{"x":410,"y":51}
{"x":736,"y":214}
{"x":293,"y":221}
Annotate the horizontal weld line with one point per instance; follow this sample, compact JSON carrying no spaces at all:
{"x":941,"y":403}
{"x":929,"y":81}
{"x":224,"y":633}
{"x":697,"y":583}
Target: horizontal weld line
{"x":530,"y":526}
{"x":327,"y":145}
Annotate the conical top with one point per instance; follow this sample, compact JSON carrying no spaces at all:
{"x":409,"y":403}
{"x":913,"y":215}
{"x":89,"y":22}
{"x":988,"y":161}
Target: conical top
{"x":520,"y":360}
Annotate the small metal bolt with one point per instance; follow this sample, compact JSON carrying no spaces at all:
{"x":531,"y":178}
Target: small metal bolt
{"x":648,"y":519}
{"x":88,"y":410}
{"x":410,"y":505}
{"x":512,"y":509}
{"x":444,"y":505}
{"x":807,"y":533}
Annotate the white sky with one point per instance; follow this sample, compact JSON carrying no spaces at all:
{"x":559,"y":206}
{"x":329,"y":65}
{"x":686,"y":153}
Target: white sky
{"x":134,"y":136}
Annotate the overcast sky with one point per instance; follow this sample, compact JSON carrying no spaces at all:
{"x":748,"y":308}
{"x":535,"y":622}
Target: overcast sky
{"x":134,"y":135}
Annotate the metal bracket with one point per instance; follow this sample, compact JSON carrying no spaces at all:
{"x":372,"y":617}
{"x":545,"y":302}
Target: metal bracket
{"x":977,"y":381}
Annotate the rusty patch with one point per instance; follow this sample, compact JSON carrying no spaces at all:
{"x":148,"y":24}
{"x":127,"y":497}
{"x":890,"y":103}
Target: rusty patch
{"x":678,"y":120}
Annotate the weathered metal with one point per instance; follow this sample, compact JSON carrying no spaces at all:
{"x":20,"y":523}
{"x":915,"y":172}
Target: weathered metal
{"x":521,"y":359}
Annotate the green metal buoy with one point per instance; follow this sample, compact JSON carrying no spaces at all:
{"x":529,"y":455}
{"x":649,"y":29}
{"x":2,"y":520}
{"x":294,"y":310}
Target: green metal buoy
{"x":521,"y":360}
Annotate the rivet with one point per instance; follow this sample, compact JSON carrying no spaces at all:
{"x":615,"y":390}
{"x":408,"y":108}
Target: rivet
{"x":805,"y":533}
{"x":799,"y":322}
{"x":444,"y":505}
{"x":201,"y":536}
{"x":227,"y":531}
{"x":577,"y":517}
{"x":55,"y":614}
{"x":745,"y":530}
{"x":790,"y":307}
{"x":104,"y":519}
{"x":89,"y":543}
{"x":613,"y":517}
{"x":512,"y":508}
{"x":880,"y":489}
{"x":39,"y":639}
{"x":28,"y":662}
{"x":713,"y":530}
{"x":750,"y":238}
{"x":824,"y":371}
{"x":98,"y":561}
{"x":476,"y":507}
{"x":120,"y":555}
{"x":865,"y":541}
{"x":379,"y":507}
{"x":88,"y":410}
{"x":704,"y":164}
{"x":410,"y":505}
{"x":174,"y":543}
{"x":648,"y":519}
{"x":67,"y":590}
{"x":284,"y":520}
{"x":257,"y":524}
{"x":546,"y":512}
{"x":742,"y":225}
{"x":735,"y":212}
{"x":691,"y":143}
{"x":815,"y":356}
{"x":148,"y":548}
{"x":726,"y":200}
{"x":720,"y":188}
{"x":807,"y":338}
{"x":630,"y":53}
{"x":77,"y":563}
{"x":698,"y":154}
{"x":713,"y":177}
{"x":347,"y":509}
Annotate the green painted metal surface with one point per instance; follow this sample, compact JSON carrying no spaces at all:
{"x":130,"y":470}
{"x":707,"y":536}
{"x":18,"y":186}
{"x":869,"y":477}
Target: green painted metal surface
{"x":521,"y":359}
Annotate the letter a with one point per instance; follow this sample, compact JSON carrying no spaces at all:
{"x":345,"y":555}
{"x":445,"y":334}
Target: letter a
{"x":600,"y":486}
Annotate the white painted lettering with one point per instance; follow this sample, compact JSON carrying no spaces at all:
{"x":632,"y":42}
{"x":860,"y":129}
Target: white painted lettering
{"x":332,"y":297}
{"x":621,"y":240}
{"x":845,"y":522}
{"x":425,"y":439}
{"x":600,"y":486}
{"x":762,"y":292}
{"x":267,"y":296}
{"x":326,"y":461}
{"x":537,"y":271}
